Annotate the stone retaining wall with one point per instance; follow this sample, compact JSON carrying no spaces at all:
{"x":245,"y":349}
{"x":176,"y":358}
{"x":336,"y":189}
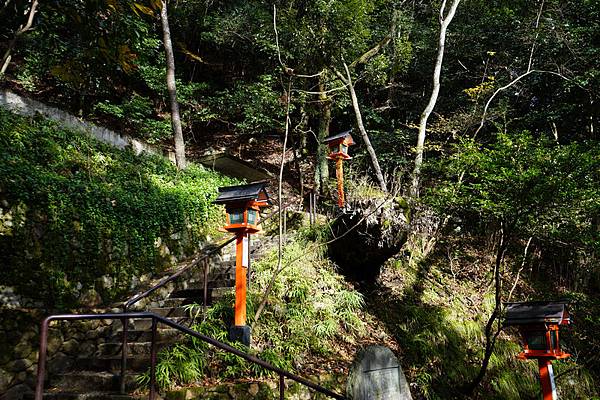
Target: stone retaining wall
{"x":260,"y":390}
{"x":19,"y":347}
{"x":30,"y":108}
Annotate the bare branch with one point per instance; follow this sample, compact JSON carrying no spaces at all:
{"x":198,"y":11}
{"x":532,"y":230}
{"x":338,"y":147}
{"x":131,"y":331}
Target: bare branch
{"x":537,"y":33}
{"x":21,"y":30}
{"x":508,"y":85}
{"x":362,"y":130}
{"x":287,"y":70}
{"x":280,"y":266}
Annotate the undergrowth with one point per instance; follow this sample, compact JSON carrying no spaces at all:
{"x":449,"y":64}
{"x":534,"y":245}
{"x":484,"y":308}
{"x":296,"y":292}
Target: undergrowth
{"x":437,"y":312}
{"x":309,"y":311}
{"x":73,"y":209}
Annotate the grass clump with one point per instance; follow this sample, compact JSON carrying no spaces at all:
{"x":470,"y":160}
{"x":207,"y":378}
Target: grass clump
{"x":309,"y":312}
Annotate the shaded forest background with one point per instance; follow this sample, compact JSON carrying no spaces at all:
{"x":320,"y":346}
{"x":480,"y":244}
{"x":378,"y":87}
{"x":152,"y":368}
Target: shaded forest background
{"x":511,"y":157}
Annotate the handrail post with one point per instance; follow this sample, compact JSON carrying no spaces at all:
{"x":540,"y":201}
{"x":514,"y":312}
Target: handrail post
{"x":125,"y":327}
{"x":41,"y":367}
{"x":310,"y":208}
{"x":205,"y":305}
{"x":281,"y":386}
{"x":153,"y":361}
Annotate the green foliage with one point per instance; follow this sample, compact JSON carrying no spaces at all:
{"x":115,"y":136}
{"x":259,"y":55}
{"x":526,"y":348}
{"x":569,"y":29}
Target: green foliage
{"x":139,"y":112}
{"x":309,"y":309}
{"x":80,"y":209}
{"x":440,"y":320}
{"x":254,"y":107}
{"x":533,"y":186}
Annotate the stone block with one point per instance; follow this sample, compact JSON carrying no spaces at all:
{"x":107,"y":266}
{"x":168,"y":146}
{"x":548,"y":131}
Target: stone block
{"x":60,"y":363}
{"x":5,"y":380}
{"x":17,"y":392}
{"x":70,"y":347}
{"x":376,"y":375}
{"x":19,"y":365}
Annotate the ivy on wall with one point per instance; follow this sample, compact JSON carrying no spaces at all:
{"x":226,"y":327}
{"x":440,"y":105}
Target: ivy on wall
{"x":74,"y":209}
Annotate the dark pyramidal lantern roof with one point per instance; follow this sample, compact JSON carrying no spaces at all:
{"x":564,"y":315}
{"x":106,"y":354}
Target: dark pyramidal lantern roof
{"x":533,"y":312}
{"x":252,"y":191}
{"x":338,"y":136}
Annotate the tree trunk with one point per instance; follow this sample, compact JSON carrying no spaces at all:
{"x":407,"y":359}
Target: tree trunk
{"x":175,"y":118}
{"x":444,"y":22}
{"x":491,"y":329}
{"x":363,"y":132}
{"x":322,"y":167}
{"x":22,"y":29}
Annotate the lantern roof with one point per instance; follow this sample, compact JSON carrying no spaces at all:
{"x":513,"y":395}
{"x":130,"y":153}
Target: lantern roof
{"x":535,"y":312}
{"x":239,"y":193}
{"x":339,"y":136}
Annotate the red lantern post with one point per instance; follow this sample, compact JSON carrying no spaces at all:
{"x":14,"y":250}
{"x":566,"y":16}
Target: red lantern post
{"x":539,"y":323}
{"x":338,"y":151}
{"x":242,"y":204}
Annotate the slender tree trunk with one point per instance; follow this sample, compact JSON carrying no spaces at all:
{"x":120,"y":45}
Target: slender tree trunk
{"x":492,"y":330}
{"x":322,"y":167}
{"x":444,"y":22}
{"x":21,"y":30}
{"x":363,"y":132}
{"x":175,"y":118}
{"x":280,"y":265}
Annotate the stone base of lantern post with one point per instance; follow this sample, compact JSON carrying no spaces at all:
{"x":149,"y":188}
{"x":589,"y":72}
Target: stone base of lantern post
{"x":240,"y":334}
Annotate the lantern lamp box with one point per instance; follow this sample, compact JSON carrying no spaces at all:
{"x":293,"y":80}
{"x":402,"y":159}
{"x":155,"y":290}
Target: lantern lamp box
{"x":338,"y":145}
{"x":539,"y":323}
{"x":242,"y":204}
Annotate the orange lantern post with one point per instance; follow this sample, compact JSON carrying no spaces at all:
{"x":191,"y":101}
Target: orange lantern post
{"x":242,"y":204}
{"x":539,"y":323}
{"x":338,"y":151}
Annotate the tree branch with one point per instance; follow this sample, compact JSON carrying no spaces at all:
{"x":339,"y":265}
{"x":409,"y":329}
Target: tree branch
{"x":508,"y":85}
{"x":21,"y":30}
{"x":361,"y":128}
{"x":520,"y":270}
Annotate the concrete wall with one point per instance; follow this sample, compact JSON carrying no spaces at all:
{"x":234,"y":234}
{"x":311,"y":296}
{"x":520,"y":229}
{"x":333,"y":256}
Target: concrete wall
{"x":28,"y":107}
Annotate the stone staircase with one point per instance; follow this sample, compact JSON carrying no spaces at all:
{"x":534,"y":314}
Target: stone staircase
{"x":96,"y":376}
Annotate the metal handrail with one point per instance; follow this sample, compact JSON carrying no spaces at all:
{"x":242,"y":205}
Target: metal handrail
{"x":41,"y":372}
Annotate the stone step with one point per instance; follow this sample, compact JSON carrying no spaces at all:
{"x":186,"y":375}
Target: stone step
{"x":134,"y":349}
{"x":170,"y":312}
{"x":224,"y":280}
{"x":187,"y":294}
{"x":85,"y":381}
{"x":180,"y":301}
{"x":83,"y":396}
{"x":163,"y":335}
{"x":145,"y":324}
{"x":139,"y":363}
{"x":218,"y":293}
